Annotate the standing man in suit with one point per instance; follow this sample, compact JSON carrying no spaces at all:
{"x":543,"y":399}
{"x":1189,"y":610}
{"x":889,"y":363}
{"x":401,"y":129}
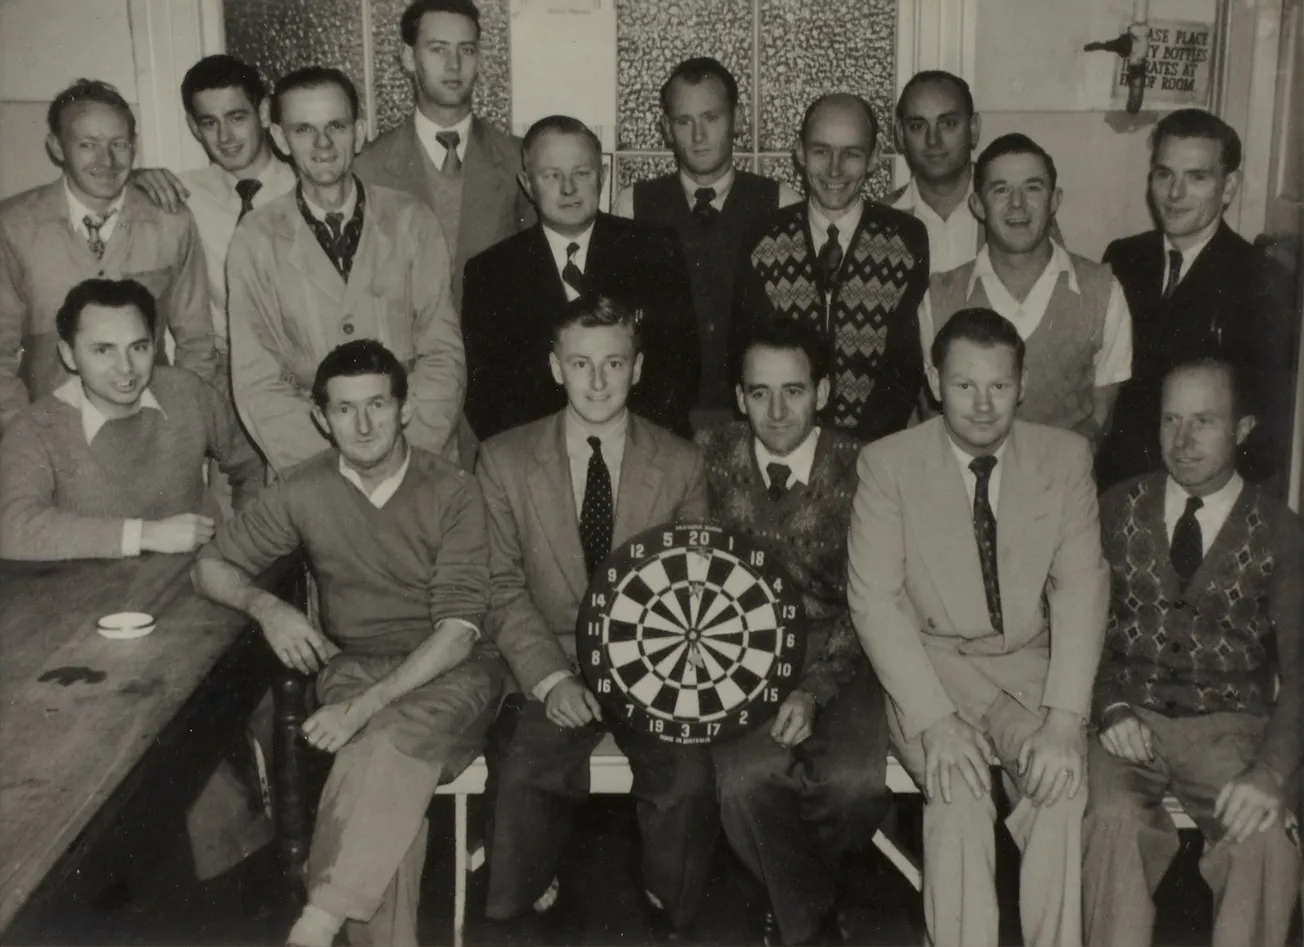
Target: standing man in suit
{"x":799,"y":794}
{"x":1189,"y":699}
{"x":987,"y":644}
{"x":331,"y":262}
{"x":855,"y":270}
{"x":88,"y":224}
{"x":464,"y":168}
{"x":562,"y":492}
{"x":514,"y":289}
{"x":1196,"y":288}
{"x":1070,"y":312}
{"x":712,"y":204}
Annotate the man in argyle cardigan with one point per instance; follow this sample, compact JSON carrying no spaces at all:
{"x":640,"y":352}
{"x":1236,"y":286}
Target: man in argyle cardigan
{"x":853,"y":269}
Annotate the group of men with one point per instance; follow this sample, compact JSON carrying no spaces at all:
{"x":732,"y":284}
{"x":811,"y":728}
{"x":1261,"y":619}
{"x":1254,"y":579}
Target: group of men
{"x":434,"y":364}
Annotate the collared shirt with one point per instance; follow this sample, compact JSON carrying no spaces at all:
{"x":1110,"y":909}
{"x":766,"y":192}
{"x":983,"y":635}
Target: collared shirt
{"x":426,"y":131}
{"x":382,"y":492}
{"x":1211,"y":516}
{"x":846,"y":224}
{"x":799,"y":460}
{"x":93,"y":419}
{"x":1113,"y":361}
{"x":1189,"y":254}
{"x":216,"y":208}
{"x":557,"y":243}
{"x":578,"y":451}
{"x":77,"y":210}
{"x":964,"y":459}
{"x":346,"y":208}
{"x":952,"y":241}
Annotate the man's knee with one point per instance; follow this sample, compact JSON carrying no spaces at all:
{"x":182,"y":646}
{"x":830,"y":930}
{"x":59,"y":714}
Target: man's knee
{"x":854,"y":782}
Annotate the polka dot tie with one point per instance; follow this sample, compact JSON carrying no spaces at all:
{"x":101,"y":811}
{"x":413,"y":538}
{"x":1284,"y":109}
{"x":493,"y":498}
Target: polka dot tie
{"x":597,"y":513}
{"x":1187,"y":547}
{"x":984,"y":530}
{"x":778,"y":474}
{"x":93,"y":239}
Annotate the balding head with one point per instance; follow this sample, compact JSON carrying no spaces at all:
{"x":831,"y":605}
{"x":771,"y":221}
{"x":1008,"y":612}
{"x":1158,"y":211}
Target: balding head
{"x":840,"y":106}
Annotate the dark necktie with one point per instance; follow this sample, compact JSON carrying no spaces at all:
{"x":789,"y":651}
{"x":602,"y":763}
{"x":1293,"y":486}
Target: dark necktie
{"x":247,"y":189}
{"x":570,"y":273}
{"x":597,"y":511}
{"x":778,"y":474}
{"x":452,"y":163}
{"x":830,"y":259}
{"x":1174,"y":272}
{"x":337,"y":237}
{"x":984,"y":530}
{"x":702,"y":209}
{"x":93,"y":239}
{"x":1187,"y":547}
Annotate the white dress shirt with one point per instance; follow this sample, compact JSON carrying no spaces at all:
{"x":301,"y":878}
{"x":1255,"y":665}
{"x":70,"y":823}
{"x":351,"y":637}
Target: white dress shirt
{"x":558,"y":243}
{"x":1189,"y":254}
{"x":964,"y":459}
{"x":426,"y":131}
{"x":347,"y":208}
{"x":846,"y":224}
{"x":799,"y":460}
{"x":952,"y":241}
{"x":1211,"y":516}
{"x":77,"y":210}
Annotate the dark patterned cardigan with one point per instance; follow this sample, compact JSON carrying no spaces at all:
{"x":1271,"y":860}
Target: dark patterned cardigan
{"x":1208,"y":647}
{"x":870,"y":317}
{"x":806,"y":530}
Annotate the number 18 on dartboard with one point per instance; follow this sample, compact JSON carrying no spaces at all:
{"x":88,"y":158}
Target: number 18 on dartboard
{"x":691,"y":634}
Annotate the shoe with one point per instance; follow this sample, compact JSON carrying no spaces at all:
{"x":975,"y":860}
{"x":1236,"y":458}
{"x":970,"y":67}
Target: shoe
{"x":660,"y":927}
{"x":548,"y":899}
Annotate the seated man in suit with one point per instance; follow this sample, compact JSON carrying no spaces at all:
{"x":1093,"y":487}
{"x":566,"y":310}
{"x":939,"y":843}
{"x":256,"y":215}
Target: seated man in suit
{"x":987,"y":647}
{"x":110,"y":464}
{"x":89,"y":224}
{"x":561,"y":491}
{"x":1070,"y":311}
{"x":796,"y":795}
{"x":1189,"y":698}
{"x":443,"y":154}
{"x":1196,"y":288}
{"x":514,"y":289}
{"x":855,"y":269}
{"x":330,"y":262}
{"x":398,"y":541}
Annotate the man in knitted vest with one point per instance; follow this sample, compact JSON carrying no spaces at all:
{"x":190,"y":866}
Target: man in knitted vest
{"x":799,"y":793}
{"x":110,"y":464}
{"x":1201,"y":688}
{"x":853,"y":269}
{"x":712,"y":204}
{"x":1071,"y":312}
{"x":398,"y":541}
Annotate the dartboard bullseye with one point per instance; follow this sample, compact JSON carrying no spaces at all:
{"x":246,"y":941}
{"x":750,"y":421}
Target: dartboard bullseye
{"x":691,"y":634}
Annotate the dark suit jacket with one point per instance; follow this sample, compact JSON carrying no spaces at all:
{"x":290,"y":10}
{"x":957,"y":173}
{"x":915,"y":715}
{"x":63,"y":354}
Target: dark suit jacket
{"x":1233,"y":303}
{"x":513,"y":291}
{"x":493,"y":204}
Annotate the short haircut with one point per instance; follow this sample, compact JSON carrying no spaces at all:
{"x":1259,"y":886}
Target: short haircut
{"x":1197,"y":123}
{"x":934,"y":75}
{"x":788,"y":335}
{"x":312,"y":77}
{"x":981,"y":326}
{"x":88,"y":90}
{"x":864,"y":104}
{"x":698,"y":70}
{"x":113,"y":293}
{"x":1014,"y":143}
{"x":359,"y":357}
{"x":221,"y":72}
{"x":594,"y":311}
{"x":562,"y":125}
{"x":1244,"y":392}
{"x":409,"y":24}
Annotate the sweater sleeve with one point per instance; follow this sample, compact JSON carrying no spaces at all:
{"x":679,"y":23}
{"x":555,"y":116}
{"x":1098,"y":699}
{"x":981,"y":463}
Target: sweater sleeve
{"x":260,"y":533}
{"x":32,"y":526}
{"x":459,"y":579}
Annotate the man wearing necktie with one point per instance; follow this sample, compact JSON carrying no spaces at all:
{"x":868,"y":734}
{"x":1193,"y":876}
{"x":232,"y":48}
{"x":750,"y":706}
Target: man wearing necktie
{"x":854,"y":269}
{"x":1196,"y":288}
{"x":329,"y":262}
{"x":1201,"y":686}
{"x":977,"y":587}
{"x":712,"y":205}
{"x":561,"y":492}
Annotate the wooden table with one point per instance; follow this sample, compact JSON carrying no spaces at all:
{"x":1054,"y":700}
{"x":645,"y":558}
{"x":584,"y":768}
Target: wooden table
{"x":95,"y":758}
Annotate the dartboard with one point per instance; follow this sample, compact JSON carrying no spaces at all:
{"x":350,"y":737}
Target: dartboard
{"x":691,"y":634}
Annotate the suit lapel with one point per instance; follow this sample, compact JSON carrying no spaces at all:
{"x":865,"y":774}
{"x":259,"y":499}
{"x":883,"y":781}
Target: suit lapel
{"x":1205,"y":275}
{"x":548,"y":482}
{"x":640,"y":476}
{"x":404,"y":163}
{"x":541,"y":272}
{"x":305,"y":254}
{"x":601,"y":252}
{"x":1024,"y":545}
{"x":374,"y":248}
{"x":482,"y":183}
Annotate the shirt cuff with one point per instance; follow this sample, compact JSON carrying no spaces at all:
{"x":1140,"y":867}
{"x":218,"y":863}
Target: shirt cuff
{"x":542,"y":689}
{"x":468,"y":624}
{"x":131,"y":533}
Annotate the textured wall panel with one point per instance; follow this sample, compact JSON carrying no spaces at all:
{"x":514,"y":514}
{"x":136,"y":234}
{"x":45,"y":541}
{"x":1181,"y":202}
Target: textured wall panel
{"x":653,"y":36}
{"x":630,"y":169}
{"x":807,"y":49}
{"x":493,"y":91}
{"x":278,"y":36}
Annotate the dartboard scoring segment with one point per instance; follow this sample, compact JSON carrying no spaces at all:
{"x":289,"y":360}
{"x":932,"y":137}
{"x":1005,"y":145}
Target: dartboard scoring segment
{"x":691,"y":634}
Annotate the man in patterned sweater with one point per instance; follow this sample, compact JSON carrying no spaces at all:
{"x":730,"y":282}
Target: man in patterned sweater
{"x":798,"y":794}
{"x":1206,"y":587}
{"x":855,"y":270}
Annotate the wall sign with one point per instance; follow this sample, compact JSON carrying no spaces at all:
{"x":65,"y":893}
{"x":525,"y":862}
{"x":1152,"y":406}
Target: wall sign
{"x":1178,"y":64}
